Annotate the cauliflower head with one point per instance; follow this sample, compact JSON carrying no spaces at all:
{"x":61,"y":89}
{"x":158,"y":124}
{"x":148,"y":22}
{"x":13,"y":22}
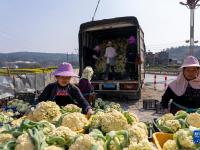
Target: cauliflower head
{"x":193,"y":119}
{"x":47,"y":127}
{"x":75,"y":121}
{"x":113,"y":121}
{"x":64,"y":132}
{"x":71,"y":108}
{"x":142,"y":145}
{"x":184,"y":138}
{"x":5,"y":137}
{"x":131,"y":117}
{"x":95,"y":120}
{"x":137,"y":133}
{"x":84,"y":142}
{"x":166,"y":117}
{"x":181,"y":114}
{"x":49,"y":111}
{"x":53,"y":148}
{"x":170,"y":145}
{"x":174,"y":125}
{"x":24,"y":142}
{"x":142,"y":126}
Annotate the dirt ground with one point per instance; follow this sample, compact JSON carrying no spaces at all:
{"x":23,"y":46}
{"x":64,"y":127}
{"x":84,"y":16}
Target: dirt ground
{"x":148,"y":93}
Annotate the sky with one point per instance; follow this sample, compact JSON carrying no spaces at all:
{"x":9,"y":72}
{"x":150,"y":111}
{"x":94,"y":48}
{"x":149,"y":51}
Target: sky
{"x":53,"y":25}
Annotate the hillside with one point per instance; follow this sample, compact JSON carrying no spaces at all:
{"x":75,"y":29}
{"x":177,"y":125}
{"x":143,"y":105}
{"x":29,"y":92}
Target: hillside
{"x":182,"y":51}
{"x":44,"y":59}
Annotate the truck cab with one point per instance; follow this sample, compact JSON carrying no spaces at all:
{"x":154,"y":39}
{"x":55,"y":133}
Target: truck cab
{"x":117,"y":31}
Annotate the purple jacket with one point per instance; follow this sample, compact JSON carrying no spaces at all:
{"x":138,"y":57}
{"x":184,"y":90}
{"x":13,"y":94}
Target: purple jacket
{"x":85,"y":87}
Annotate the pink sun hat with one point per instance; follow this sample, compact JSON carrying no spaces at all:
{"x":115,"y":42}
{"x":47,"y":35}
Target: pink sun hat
{"x":131,"y":40}
{"x":65,"y":70}
{"x":190,"y":61}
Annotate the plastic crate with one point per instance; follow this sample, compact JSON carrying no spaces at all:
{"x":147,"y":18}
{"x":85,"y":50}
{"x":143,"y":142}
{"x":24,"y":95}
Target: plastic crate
{"x":27,"y":97}
{"x":159,"y":108}
{"x":149,"y":104}
{"x":160,"y":138}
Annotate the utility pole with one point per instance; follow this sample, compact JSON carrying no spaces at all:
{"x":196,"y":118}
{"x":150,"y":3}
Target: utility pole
{"x":192,"y":5}
{"x":95,"y":10}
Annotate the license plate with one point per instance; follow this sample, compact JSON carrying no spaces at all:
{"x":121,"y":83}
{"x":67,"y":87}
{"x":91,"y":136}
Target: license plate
{"x":109,"y":86}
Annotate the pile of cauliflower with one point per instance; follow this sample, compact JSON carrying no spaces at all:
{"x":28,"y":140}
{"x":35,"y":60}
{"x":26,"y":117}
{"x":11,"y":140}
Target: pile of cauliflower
{"x":112,"y":120}
{"x":182,"y":139}
{"x":48,"y":127}
{"x":182,"y":125}
{"x":20,"y":105}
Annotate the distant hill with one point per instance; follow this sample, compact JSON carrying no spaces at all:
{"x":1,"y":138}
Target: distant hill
{"x":44,"y":59}
{"x":182,"y":51}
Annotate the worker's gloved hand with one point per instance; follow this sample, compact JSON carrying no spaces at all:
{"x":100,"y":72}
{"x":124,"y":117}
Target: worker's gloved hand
{"x":90,"y":112}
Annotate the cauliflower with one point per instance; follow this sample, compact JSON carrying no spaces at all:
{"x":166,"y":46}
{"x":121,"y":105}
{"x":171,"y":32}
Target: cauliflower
{"x":142,"y":126}
{"x":113,"y":121}
{"x":75,"y":121}
{"x":95,"y":120}
{"x":170,"y":145}
{"x":49,"y":111}
{"x":174,"y":125}
{"x":64,"y":132}
{"x":131,"y":117}
{"x":137,"y":133}
{"x":4,"y":118}
{"x":17,"y":122}
{"x":53,"y":148}
{"x":168,"y":123}
{"x":181,"y":114}
{"x":5,"y":137}
{"x":112,"y":105}
{"x":20,"y":105}
{"x":84,"y":142}
{"x":142,"y":145}
{"x":24,"y":142}
{"x":193,"y":119}
{"x":47,"y":127}
{"x":184,"y":138}
{"x":116,"y":140}
{"x":166,"y":117}
{"x":71,"y":108}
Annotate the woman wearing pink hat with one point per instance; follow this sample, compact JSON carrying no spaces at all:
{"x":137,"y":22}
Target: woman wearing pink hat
{"x":184,"y":92}
{"x":62,"y":92}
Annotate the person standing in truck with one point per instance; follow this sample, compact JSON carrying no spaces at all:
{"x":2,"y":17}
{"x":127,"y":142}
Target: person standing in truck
{"x":95,"y":55}
{"x":110,"y":55}
{"x":131,"y":55}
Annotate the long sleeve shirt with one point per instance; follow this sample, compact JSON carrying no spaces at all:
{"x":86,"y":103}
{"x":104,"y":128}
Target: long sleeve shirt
{"x":190,"y":99}
{"x":110,"y":52}
{"x":64,"y":95}
{"x":85,"y":86}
